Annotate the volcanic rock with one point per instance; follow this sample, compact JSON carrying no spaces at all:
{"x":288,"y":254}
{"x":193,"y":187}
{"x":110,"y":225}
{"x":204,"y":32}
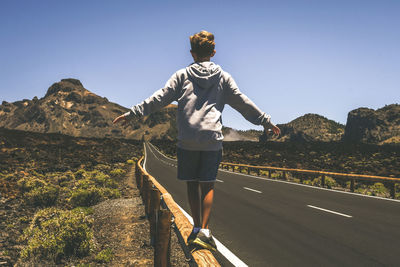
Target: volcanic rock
{"x":379,"y":126}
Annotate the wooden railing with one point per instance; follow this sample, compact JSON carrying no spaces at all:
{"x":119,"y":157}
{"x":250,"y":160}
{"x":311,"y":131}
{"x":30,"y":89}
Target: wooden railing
{"x":303,"y":174}
{"x":154,"y":194}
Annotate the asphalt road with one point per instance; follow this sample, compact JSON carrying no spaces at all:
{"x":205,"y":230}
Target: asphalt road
{"x":270,"y":223}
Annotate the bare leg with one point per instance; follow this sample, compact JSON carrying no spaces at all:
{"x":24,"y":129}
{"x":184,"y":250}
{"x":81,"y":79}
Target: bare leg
{"x":207,"y":198}
{"x":194,"y":201}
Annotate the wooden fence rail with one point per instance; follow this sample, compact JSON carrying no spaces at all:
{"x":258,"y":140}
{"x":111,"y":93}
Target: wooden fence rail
{"x":152,"y":192}
{"x":301,"y":175}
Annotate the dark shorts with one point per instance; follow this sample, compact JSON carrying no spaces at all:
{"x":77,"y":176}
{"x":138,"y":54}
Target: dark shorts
{"x":199,"y":166}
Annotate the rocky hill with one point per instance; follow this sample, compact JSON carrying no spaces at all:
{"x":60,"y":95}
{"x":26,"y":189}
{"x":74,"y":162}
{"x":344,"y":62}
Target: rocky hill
{"x":374,"y":126}
{"x":69,"y":108}
{"x":310,"y":127}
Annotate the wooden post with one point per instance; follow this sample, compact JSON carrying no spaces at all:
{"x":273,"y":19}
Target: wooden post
{"x":144,"y":192}
{"x":140,"y":182}
{"x":143,"y":182}
{"x":393,"y":190}
{"x":269,"y":174}
{"x":352,"y":185}
{"x":147,"y":195}
{"x":258,"y":172}
{"x":248,"y":170}
{"x":240,"y":169}
{"x":137,"y":173}
{"x":155,"y":198}
{"x":301,"y":178}
{"x":163,"y":239}
{"x":284,"y":175}
{"x":323,"y":180}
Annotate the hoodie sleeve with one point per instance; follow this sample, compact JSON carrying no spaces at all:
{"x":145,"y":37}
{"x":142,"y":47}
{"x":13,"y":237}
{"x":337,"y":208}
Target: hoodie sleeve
{"x":158,"y":100}
{"x":243,"y":104}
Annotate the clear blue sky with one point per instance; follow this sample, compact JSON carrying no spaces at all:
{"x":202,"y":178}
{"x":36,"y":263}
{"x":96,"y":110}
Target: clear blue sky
{"x":289,"y":57}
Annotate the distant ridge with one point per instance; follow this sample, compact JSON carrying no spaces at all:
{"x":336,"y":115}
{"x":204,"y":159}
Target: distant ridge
{"x":71,"y":109}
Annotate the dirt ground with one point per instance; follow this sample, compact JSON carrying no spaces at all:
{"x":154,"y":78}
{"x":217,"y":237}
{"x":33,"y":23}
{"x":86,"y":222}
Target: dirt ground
{"x":120,"y":225}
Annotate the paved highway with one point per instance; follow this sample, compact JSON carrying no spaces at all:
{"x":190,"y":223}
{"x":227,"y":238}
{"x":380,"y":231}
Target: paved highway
{"x":270,"y":223}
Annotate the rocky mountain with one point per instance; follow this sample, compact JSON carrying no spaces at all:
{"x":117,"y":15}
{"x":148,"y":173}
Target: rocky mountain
{"x":69,"y":108}
{"x":379,"y":126}
{"x":310,"y":127}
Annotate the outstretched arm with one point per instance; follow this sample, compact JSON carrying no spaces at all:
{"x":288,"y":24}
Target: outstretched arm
{"x":158,"y":100}
{"x":247,"y":108}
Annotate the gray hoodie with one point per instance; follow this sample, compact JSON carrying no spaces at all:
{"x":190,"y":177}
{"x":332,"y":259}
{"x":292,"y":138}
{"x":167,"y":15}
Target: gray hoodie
{"x":202,"y":89}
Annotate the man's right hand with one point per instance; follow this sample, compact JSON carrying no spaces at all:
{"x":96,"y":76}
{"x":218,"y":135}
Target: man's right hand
{"x":274,"y":129}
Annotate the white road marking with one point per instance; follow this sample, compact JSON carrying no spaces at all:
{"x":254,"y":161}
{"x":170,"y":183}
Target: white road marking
{"x":310,"y":186}
{"x":252,"y":190}
{"x":330,"y":211}
{"x":218,"y":180}
{"x":232,"y":258}
{"x":145,"y":157}
{"x":161,"y":153}
{"x":220,"y":247}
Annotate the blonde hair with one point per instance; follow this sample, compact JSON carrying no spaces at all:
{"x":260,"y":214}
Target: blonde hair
{"x":202,"y":43}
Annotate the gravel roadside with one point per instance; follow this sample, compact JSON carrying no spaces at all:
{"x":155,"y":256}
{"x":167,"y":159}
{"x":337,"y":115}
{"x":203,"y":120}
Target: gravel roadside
{"x":120,"y":225}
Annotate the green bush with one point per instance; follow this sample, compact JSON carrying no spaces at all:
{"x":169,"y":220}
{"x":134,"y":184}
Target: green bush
{"x":330,"y":182}
{"x":85,"y":210}
{"x":79,"y":174}
{"x":104,"y":180}
{"x":296,"y":180}
{"x":117,"y":174}
{"x":109,"y":193}
{"x":378,"y":189}
{"x":84,"y":183}
{"x":55,"y":234}
{"x":42,"y":196}
{"x":96,"y":178}
{"x":317,"y":181}
{"x":104,"y":256}
{"x":63,"y":179}
{"x":103,"y":167}
{"x":307,"y":182}
{"x":85,"y":197}
{"x":28,"y":183}
{"x":92,"y":196}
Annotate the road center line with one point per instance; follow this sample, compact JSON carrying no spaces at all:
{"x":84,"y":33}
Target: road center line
{"x":252,"y":190}
{"x":330,"y":211}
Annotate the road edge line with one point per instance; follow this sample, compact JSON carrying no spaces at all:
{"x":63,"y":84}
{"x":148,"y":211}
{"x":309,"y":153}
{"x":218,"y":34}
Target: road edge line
{"x":232,"y":258}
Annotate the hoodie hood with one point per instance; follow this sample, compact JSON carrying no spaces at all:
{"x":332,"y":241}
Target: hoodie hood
{"x":205,"y":74}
